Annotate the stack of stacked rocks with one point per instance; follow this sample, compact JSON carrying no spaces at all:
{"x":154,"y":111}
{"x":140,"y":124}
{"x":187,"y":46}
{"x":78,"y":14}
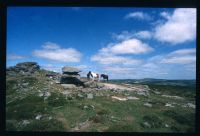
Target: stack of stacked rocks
{"x":70,"y":75}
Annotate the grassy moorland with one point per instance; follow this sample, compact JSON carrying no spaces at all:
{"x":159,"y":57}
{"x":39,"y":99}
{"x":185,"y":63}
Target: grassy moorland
{"x":36,"y":103}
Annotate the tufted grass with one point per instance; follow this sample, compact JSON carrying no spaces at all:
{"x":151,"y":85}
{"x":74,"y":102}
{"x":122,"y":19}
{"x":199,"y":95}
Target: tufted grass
{"x":101,"y":114}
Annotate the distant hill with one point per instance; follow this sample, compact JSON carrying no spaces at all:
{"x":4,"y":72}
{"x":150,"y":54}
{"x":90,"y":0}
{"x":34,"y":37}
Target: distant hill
{"x":157,"y":81}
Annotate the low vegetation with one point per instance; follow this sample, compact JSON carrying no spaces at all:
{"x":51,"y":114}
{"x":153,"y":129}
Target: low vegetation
{"x":36,"y":103}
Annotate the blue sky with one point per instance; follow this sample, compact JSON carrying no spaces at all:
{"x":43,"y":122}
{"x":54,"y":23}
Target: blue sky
{"x":125,"y":43}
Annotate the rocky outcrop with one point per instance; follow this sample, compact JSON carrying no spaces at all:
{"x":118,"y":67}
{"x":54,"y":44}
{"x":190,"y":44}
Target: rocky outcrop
{"x":25,"y":68}
{"x":71,"y":76}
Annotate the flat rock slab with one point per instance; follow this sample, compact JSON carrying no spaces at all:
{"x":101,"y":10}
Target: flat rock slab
{"x":132,"y":98}
{"x":70,"y":70}
{"x":69,"y":76}
{"x":148,"y":104}
{"x":119,"y":98}
{"x":169,"y":105}
{"x":93,"y":84}
{"x":68,"y":86}
{"x":114,"y":86}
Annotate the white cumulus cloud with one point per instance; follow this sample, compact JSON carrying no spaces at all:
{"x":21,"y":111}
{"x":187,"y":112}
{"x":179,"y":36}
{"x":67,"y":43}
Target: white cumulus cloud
{"x":125,"y":35}
{"x":112,"y":53}
{"x":119,"y":70}
{"x":130,"y":46}
{"x":15,"y":57}
{"x":182,"y":56}
{"x":55,"y":53}
{"x":143,"y":34}
{"x":113,"y":59}
{"x":50,"y":45}
{"x":139,"y":15}
{"x":165,"y":15}
{"x":82,"y":67}
{"x":180,"y":26}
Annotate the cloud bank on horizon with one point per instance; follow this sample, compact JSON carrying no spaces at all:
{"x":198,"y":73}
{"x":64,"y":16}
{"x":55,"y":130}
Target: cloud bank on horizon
{"x":141,"y":44}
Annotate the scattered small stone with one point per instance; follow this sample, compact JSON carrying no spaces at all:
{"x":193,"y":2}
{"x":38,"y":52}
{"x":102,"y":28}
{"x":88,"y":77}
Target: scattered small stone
{"x":175,"y":97}
{"x":47,"y":94}
{"x":92,"y":84}
{"x":90,"y":96}
{"x":146,"y":124}
{"x":25,"y":89}
{"x":166,"y":125}
{"x":38,"y":117}
{"x":14,"y":87}
{"x":50,"y":117}
{"x":45,"y":98}
{"x":112,"y":117}
{"x":97,"y":94}
{"x":80,"y":95}
{"x":57,"y":82}
{"x":66,"y":92}
{"x":126,"y":94}
{"x":85,"y":107}
{"x":25,"y":122}
{"x":99,"y":85}
{"x":119,"y":98}
{"x":76,"y":128}
{"x":189,"y":105}
{"x":25,"y":84}
{"x":40,"y":94}
{"x":83,"y":125}
{"x":132,"y":98}
{"x":115,"y":119}
{"x":68,"y":86}
{"x":156,"y":92}
{"x":142,"y":93}
{"x":169,"y":105}
{"x":44,"y":94}
{"x":58,"y":107}
{"x":92,"y":106}
{"x":148,"y":104}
